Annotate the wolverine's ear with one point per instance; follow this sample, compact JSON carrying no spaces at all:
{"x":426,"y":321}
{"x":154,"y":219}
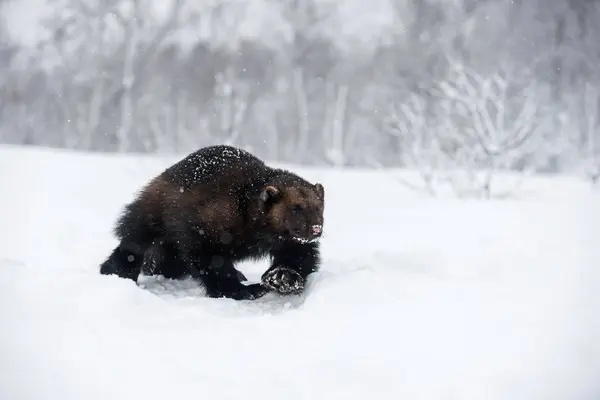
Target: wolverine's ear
{"x":320,"y":190}
{"x":269,"y":193}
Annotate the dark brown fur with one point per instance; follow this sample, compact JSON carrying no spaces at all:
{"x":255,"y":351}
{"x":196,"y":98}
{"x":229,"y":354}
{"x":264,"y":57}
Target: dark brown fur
{"x":216,"y":207}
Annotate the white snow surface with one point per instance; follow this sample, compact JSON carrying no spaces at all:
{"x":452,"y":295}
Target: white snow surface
{"x":417,"y":298}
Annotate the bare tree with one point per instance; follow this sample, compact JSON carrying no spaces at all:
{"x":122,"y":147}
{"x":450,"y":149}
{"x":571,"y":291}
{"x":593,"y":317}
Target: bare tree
{"x":408,"y":124}
{"x":103,"y":50}
{"x":477,"y":126}
{"x":334,"y":134}
{"x":497,"y":121}
{"x":231,"y":105}
{"x":118,"y":75}
{"x":136,"y":59}
{"x":305,"y":66}
{"x":591,"y":128}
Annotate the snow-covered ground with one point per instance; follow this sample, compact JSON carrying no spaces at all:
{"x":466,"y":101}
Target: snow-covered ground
{"x":417,"y":299}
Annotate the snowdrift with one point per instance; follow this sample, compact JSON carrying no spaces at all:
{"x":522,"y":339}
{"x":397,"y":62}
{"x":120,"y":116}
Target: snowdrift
{"x":418,"y":298}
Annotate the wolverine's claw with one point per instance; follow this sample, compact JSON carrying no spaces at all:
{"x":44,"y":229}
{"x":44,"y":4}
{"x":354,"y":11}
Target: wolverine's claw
{"x":283,"y":281}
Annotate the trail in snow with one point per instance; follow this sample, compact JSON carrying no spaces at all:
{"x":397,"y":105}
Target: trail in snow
{"x":417,"y":298}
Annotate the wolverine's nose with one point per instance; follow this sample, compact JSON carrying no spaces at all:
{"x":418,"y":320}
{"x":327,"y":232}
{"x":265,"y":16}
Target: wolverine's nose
{"x":316,"y":230}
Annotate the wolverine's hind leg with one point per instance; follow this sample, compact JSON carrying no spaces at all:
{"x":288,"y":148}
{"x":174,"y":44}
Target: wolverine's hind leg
{"x":219,"y":277}
{"x":153,"y":260}
{"x":162,"y":258}
{"x":137,"y":230}
{"x":124,"y":261}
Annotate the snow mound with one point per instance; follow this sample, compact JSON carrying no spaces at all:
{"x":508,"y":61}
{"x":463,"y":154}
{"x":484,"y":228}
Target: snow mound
{"x":417,"y":298}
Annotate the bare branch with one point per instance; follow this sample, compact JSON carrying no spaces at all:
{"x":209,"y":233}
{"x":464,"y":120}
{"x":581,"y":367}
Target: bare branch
{"x":158,"y":38}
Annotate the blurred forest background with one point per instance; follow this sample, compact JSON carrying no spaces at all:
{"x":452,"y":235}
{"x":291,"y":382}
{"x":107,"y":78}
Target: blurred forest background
{"x":496,"y":84}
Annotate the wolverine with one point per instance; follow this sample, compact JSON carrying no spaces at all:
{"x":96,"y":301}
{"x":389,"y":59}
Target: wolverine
{"x":214,"y":208}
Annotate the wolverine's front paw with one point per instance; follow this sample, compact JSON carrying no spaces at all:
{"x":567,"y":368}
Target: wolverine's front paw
{"x":283,"y":280}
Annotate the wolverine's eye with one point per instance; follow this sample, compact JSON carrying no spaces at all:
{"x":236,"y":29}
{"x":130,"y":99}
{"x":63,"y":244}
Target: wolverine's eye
{"x":296,"y":208}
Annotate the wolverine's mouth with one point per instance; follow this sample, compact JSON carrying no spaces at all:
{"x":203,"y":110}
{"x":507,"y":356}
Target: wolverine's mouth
{"x":304,"y":240}
{"x":315,"y":231}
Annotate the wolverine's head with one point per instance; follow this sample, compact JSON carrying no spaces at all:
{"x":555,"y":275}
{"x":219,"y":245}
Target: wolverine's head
{"x":294,"y":209}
